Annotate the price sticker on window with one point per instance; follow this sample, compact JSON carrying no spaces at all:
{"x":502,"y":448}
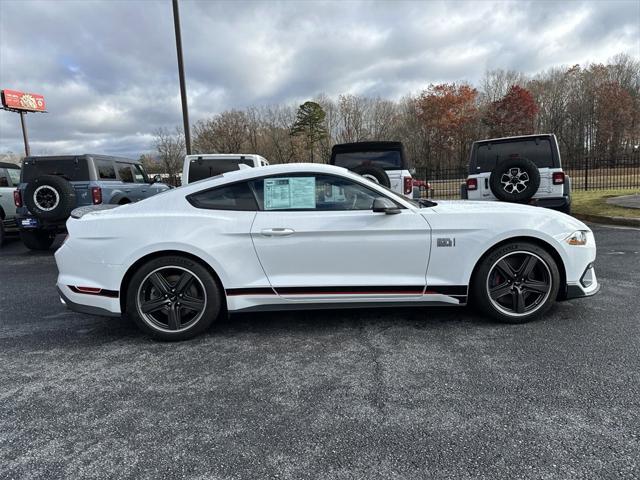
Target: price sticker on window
{"x":289,"y":193}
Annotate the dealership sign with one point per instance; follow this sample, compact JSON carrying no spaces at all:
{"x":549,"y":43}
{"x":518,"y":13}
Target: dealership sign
{"x":29,"y":102}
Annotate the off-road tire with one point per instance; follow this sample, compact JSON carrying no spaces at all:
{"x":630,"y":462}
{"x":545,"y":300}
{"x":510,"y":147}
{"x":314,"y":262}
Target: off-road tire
{"x":503,"y":171}
{"x":375,"y":174}
{"x":37,"y":239}
{"x":50,"y":197}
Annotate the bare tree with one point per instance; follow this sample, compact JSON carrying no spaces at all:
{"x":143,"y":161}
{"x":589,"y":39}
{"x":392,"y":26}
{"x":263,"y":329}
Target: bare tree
{"x":171,"y":150}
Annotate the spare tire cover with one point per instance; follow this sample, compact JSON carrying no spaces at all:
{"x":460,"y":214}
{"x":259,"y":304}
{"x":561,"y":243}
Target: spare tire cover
{"x":50,"y":197}
{"x":515,"y":180}
{"x":376,"y":174}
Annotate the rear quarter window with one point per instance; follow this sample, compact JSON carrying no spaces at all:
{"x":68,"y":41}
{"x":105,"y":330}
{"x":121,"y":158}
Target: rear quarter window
{"x":68,"y":168}
{"x":230,"y":197}
{"x":488,"y":155}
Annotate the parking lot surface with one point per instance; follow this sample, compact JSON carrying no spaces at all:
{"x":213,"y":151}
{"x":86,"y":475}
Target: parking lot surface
{"x":410,"y":393}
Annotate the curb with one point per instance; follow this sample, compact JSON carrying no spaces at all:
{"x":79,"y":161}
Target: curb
{"x":627,"y":222}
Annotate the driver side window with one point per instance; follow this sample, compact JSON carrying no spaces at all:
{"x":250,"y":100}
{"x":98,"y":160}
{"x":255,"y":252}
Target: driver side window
{"x":312,"y":192}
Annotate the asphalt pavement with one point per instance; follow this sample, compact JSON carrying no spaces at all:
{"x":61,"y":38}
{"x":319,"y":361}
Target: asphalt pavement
{"x":372,"y":394}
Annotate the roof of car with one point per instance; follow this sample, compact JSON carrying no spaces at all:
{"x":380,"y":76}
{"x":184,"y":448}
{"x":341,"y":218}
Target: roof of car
{"x":84,"y":155}
{"x":223,"y":155}
{"x":516,"y":137}
{"x":8,"y":165}
{"x":283,"y":168}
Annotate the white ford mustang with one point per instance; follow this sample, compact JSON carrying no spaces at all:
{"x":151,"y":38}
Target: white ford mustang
{"x":315,"y":236}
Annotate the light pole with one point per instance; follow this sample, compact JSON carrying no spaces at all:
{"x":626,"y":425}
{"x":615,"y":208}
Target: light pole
{"x":183,"y":88}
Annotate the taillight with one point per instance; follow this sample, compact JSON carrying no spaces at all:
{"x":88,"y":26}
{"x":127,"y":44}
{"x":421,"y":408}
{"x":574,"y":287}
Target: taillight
{"x":17,"y":198}
{"x":558,"y":178}
{"x":408,"y":185}
{"x":96,"y":195}
{"x":472,"y":183}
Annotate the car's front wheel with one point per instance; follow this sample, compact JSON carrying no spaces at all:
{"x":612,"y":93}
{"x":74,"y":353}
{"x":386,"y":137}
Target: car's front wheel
{"x":516,"y":282}
{"x":173,"y":298}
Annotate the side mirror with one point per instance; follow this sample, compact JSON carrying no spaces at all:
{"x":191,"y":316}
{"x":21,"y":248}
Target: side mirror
{"x":384,"y":205}
{"x":156,"y":179}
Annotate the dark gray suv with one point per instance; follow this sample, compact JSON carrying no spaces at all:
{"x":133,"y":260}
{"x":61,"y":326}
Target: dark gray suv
{"x":51,"y":187}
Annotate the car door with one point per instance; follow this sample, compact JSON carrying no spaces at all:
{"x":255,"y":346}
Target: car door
{"x":317,"y":234}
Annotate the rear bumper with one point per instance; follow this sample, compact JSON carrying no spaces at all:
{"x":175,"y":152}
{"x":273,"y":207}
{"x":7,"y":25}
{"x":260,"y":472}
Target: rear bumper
{"x":29,"y":222}
{"x":10,"y":225}
{"x":555,"y":202}
{"x":84,"y":308}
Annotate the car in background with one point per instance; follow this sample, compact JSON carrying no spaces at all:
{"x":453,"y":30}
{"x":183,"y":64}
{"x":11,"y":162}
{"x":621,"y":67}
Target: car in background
{"x":523,"y":169}
{"x":9,"y":180}
{"x":206,"y":165}
{"x":52,"y":186}
{"x":302,"y":236}
{"x":384,"y":163}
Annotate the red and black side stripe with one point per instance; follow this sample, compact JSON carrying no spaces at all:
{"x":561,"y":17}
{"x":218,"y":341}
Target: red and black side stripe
{"x":450,"y":290}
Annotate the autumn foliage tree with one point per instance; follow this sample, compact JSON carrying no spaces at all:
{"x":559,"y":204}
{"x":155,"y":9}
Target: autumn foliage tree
{"x":513,"y":114}
{"x":449,"y":115}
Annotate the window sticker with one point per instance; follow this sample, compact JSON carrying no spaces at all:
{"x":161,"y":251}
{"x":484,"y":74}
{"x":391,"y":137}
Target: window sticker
{"x":289,"y":193}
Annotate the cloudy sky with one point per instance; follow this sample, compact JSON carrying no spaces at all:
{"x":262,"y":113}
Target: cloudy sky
{"x":108,"y":68}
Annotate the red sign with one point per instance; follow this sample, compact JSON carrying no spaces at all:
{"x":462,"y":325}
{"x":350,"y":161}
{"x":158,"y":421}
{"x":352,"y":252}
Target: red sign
{"x":31,"y":102}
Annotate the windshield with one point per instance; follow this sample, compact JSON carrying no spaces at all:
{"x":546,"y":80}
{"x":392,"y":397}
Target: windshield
{"x":389,"y":160}
{"x":200,"y":169}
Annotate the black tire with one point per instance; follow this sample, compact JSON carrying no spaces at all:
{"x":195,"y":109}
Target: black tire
{"x":37,"y":239}
{"x":376,"y":174}
{"x":515,"y":180}
{"x":50,"y":197}
{"x":512,"y":300}
{"x":163,"y":295}
{"x":2,"y":234}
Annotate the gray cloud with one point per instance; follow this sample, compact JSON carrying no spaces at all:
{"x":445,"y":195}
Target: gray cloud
{"x":108,"y":69}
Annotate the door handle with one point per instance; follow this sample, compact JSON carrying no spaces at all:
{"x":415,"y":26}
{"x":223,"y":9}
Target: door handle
{"x":277,"y":232}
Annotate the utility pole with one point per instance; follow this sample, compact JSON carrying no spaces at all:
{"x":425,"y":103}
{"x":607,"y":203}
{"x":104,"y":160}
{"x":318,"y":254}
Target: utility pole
{"x":27,"y":150}
{"x":183,"y":88}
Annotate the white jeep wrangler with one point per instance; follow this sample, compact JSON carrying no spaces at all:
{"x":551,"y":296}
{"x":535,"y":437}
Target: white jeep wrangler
{"x":524,"y":169}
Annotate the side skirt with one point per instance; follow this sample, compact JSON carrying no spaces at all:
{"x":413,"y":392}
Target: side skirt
{"x":279,"y":307}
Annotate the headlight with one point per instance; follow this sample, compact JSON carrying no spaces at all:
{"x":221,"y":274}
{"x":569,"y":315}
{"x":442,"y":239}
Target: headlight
{"x":577,"y":238}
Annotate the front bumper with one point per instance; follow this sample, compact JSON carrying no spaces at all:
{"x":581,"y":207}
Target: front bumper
{"x":586,"y":287}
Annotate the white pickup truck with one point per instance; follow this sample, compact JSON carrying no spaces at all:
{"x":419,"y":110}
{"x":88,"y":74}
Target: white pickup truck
{"x":206,"y":165}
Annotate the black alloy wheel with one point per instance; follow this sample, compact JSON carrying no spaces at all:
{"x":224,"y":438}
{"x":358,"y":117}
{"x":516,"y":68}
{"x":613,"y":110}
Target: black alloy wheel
{"x":173,"y":298}
{"x":516,"y":282}
{"x":519,"y":283}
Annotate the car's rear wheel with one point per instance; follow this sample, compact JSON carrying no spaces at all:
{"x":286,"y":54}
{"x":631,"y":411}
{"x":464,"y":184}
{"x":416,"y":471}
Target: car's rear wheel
{"x":37,"y":239}
{"x":516,"y":282}
{"x":173,"y":298}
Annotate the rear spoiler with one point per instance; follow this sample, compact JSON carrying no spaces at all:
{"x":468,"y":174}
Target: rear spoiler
{"x":82,"y":211}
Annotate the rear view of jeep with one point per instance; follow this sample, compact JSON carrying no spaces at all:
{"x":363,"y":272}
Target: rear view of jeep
{"x":525,"y":169}
{"x":381,"y":162}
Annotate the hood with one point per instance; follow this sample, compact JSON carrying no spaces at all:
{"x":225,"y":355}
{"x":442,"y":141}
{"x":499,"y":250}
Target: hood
{"x":502,"y":208}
